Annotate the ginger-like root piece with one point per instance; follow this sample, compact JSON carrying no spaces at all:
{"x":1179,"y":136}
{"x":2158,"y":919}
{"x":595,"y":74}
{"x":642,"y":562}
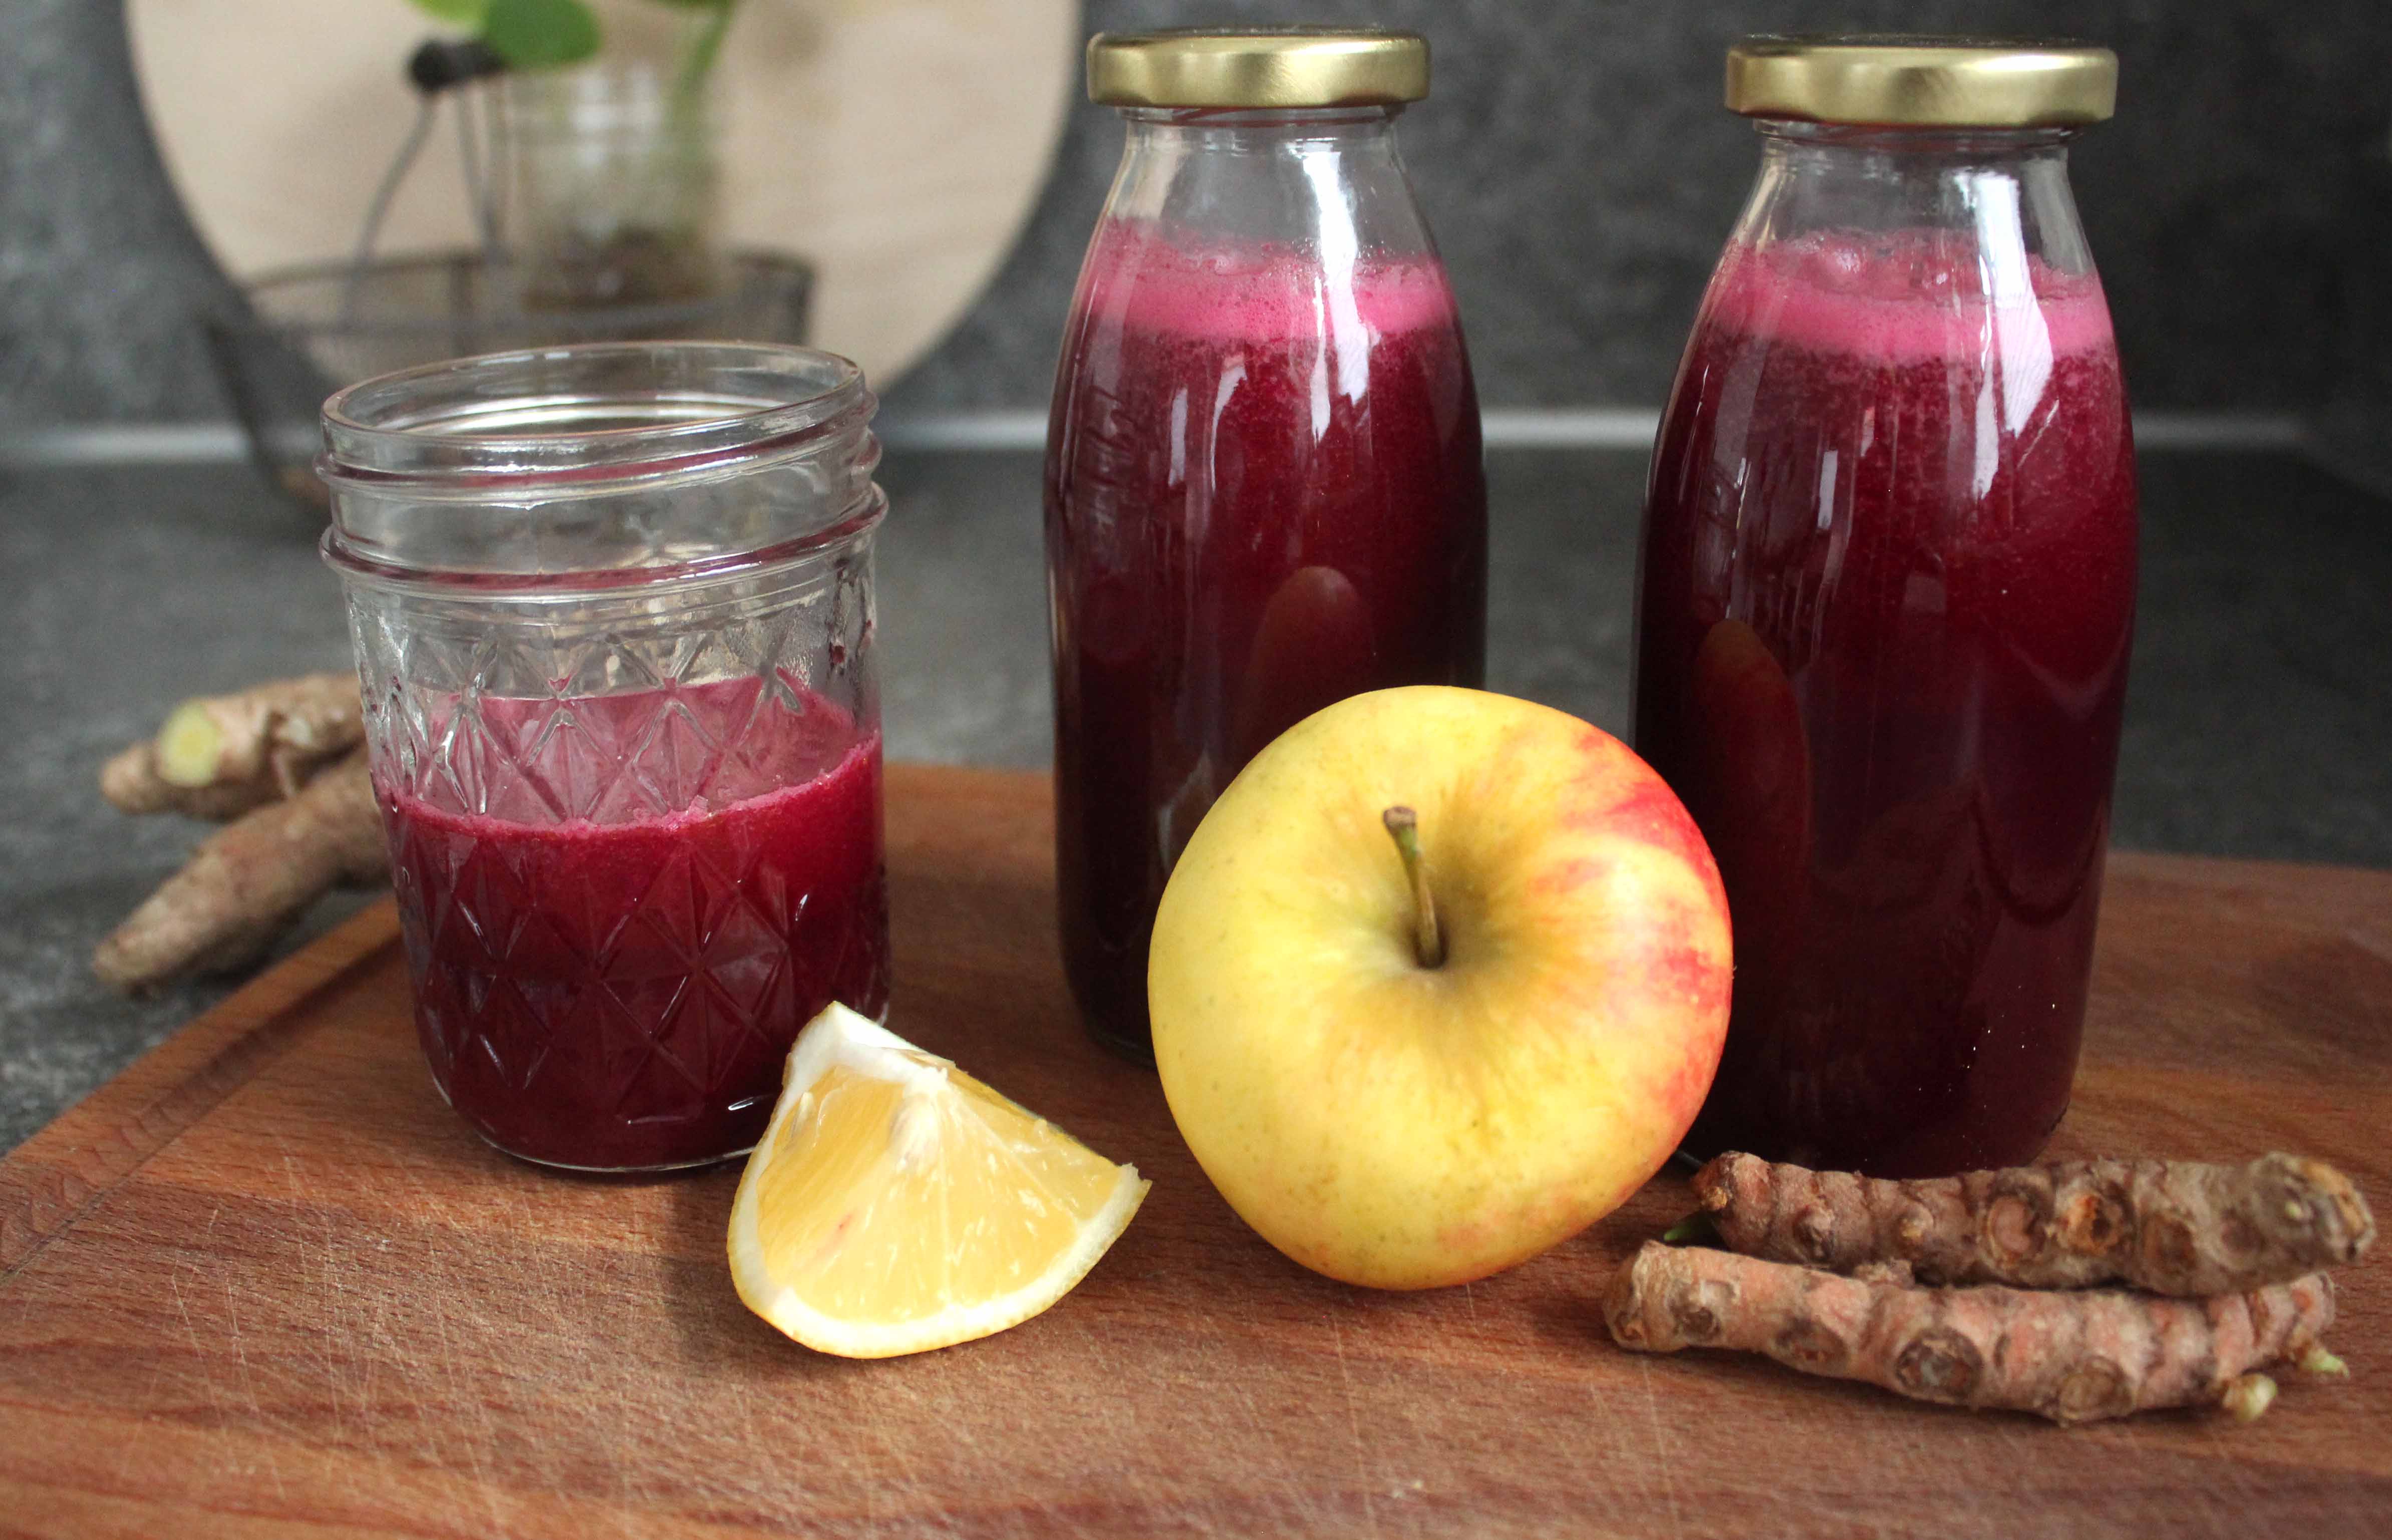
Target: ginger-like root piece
{"x":250,"y":880}
{"x":2177,"y":1227}
{"x":132,"y":783}
{"x":2072,"y":1357}
{"x":277,"y":729}
{"x":257,"y":758}
{"x":219,"y":755}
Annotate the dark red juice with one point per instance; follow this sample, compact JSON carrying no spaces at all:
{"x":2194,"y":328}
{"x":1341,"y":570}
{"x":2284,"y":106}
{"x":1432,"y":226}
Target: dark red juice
{"x":1887,"y":591}
{"x":618,"y":989}
{"x":1264,"y":495}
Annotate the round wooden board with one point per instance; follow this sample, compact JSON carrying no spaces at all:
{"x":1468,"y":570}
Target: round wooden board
{"x":898,"y":144}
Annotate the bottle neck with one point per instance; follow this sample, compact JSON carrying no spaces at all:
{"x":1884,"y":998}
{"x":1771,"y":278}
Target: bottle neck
{"x":2004,"y":193}
{"x":1782,"y":134}
{"x":1306,"y":178}
{"x":1250,"y":128}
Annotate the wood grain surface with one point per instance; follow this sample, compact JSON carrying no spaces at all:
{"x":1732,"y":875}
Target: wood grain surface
{"x":265,"y":1283}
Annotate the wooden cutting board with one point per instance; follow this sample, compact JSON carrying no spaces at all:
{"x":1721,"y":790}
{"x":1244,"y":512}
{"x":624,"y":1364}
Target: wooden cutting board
{"x":265,"y":1283}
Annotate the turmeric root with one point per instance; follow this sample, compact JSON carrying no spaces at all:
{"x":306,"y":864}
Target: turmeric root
{"x":2072,"y":1357}
{"x":2177,"y":1227}
{"x":2249,"y":1397}
{"x":250,"y":880}
{"x":275,"y":730}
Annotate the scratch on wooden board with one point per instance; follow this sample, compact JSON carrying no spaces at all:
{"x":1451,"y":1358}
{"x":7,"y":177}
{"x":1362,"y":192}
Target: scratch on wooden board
{"x":174,"y":1287}
{"x":183,"y":1308}
{"x":1661,"y":1447}
{"x":249,"y":1383}
{"x":2220,"y":1431}
{"x":460,"y":1394}
{"x":1354,"y":1422}
{"x":2369,"y":942}
{"x":1283,"y":1467}
{"x":351,"y":1293}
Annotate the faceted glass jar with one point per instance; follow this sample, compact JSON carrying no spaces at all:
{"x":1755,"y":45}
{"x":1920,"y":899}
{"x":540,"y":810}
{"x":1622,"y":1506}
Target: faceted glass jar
{"x":613,"y":612}
{"x":1263,"y":488}
{"x":1887,"y":598}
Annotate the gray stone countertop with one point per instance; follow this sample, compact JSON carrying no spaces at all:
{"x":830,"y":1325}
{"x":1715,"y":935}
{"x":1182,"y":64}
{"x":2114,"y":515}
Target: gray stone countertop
{"x":2259,"y":722}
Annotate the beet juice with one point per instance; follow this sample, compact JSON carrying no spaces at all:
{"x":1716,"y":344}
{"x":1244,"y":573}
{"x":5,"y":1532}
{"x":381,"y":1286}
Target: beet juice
{"x":621,"y":993}
{"x":1887,"y":591}
{"x":612,"y":611}
{"x":1262,"y":482}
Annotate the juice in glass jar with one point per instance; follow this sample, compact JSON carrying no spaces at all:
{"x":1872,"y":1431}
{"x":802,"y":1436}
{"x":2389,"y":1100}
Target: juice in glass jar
{"x":611,"y":607}
{"x":1263,"y":481}
{"x":1250,"y":516}
{"x":1887,"y":599}
{"x":618,"y":992}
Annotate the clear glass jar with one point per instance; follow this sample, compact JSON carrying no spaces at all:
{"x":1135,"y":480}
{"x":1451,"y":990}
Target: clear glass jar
{"x":1887,"y":596}
{"x":1264,"y":489}
{"x":609,"y":179}
{"x":612,"y":614}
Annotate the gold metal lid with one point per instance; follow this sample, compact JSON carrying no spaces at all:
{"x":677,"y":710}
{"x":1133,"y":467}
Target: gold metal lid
{"x":1259,"y":67}
{"x":1923,"y":82}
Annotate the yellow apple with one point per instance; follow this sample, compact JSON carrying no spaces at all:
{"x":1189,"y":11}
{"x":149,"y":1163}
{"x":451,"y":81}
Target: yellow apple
{"x":1393,"y":1116}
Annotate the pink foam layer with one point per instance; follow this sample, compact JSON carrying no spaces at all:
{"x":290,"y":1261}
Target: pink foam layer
{"x":1252,"y":293}
{"x":1907,"y":297}
{"x":857,"y":762}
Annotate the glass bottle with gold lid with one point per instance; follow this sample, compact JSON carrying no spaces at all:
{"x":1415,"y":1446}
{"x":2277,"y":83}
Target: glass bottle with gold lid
{"x":1887,"y":596}
{"x":1263,"y":487}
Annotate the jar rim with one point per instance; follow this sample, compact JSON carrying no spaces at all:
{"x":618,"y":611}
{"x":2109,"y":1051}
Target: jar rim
{"x":588,"y":419}
{"x":598,"y":465}
{"x":689,"y":579}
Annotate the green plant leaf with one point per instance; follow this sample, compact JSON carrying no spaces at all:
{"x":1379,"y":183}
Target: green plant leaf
{"x":698,"y":57}
{"x":469,"y":14}
{"x":541,"y":35}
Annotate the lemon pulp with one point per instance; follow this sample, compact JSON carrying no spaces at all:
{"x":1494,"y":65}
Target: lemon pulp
{"x":895,"y":1204}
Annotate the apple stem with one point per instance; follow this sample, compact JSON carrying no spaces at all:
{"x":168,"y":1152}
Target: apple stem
{"x":1428,"y":943}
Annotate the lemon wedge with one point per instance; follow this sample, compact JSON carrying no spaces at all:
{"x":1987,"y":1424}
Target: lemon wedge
{"x":895,"y":1204}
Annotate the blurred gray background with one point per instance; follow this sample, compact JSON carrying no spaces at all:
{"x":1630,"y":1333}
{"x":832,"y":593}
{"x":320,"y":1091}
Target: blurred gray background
{"x":1575,"y":164}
